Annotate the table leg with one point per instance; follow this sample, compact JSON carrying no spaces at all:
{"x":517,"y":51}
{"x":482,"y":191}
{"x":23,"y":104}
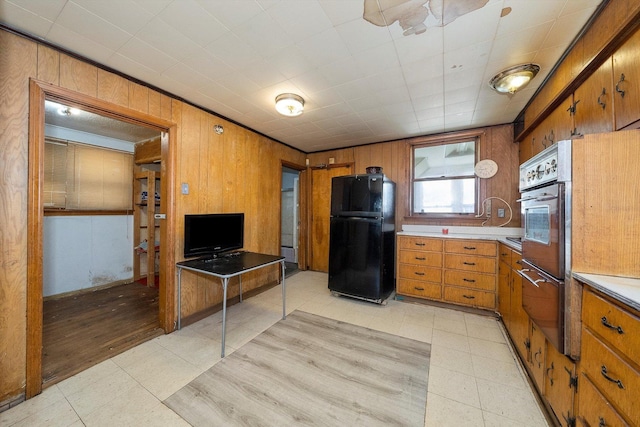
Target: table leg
{"x":284,"y":298}
{"x":225,"y":282}
{"x":179,"y":294}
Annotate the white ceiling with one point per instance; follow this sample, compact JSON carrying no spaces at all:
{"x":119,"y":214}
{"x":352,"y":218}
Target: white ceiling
{"x":362,"y":82}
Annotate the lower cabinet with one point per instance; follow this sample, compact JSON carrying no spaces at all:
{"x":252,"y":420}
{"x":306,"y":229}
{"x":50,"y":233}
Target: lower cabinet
{"x":560,"y":385}
{"x":456,"y":271}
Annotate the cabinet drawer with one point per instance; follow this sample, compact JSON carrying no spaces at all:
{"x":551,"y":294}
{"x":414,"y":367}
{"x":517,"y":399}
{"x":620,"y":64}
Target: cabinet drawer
{"x":470,"y":263}
{"x":504,"y":253}
{"x":420,"y":243}
{"x":470,"y":279}
{"x":597,"y":311}
{"x":470,"y":297}
{"x":593,"y":408}
{"x":598,"y":362}
{"x":416,"y":272}
{"x":516,"y":260}
{"x":431,"y":259}
{"x":419,"y":289}
{"x":472,"y":247}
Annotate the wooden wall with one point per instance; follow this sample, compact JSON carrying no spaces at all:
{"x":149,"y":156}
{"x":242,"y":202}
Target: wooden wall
{"x":496,"y":143}
{"x":237,"y":171}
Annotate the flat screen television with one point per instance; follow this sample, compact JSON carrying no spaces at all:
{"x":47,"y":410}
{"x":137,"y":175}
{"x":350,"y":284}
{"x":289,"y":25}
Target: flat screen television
{"x":211,"y":234}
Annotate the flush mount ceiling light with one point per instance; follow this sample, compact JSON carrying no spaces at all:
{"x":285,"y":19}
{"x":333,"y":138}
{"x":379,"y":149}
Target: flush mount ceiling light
{"x":514,"y":78}
{"x":289,"y":104}
{"x":67,"y":111}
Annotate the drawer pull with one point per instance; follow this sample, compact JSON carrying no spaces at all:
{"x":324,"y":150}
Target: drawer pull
{"x":420,"y":258}
{"x":519,"y":262}
{"x":606,"y":323}
{"x":469,"y":296}
{"x":470,"y":248}
{"x":602,"y":422}
{"x":469,"y":263}
{"x":418,"y":289}
{"x":417,"y":273}
{"x":603,"y":371}
{"x":469,"y":280}
{"x":420,"y":244}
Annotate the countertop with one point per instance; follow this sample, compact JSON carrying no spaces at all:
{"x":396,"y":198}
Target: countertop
{"x":624,"y":289}
{"x":499,"y":234}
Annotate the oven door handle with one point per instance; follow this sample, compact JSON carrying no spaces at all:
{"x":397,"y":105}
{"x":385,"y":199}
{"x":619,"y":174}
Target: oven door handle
{"x":525,"y":199}
{"x":526,"y":276}
{"x":542,"y":198}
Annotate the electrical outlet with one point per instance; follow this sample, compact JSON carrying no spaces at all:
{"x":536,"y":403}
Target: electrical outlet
{"x":500,"y":213}
{"x":487,"y":206}
{"x":184,"y":188}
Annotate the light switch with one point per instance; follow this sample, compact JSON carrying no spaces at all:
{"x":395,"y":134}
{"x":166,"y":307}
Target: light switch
{"x":185,"y":188}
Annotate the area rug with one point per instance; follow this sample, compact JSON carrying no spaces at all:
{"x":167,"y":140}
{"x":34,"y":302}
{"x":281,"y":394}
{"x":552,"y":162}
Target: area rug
{"x":310,"y":370}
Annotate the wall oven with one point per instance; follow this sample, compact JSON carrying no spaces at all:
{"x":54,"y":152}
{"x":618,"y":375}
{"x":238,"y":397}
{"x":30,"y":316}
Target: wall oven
{"x":545,"y":186}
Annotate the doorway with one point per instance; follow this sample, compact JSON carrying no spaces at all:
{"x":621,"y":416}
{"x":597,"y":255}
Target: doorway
{"x":39,"y":92}
{"x":290,"y":218}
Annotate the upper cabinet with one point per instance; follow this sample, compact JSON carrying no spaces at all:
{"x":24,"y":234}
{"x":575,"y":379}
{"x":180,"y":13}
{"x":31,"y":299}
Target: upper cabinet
{"x":626,"y":78}
{"x":593,"y":102}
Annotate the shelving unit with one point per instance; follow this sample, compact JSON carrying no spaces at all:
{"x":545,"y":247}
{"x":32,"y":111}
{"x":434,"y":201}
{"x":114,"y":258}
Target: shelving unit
{"x":145,"y":226}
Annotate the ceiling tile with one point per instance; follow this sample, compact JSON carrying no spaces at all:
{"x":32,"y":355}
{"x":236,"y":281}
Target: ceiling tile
{"x":360,"y":35}
{"x":125,"y":14}
{"x":188,"y":18}
{"x":152,"y":6}
{"x":24,"y":19}
{"x":300,"y":20}
{"x":231,"y":13}
{"x":264,"y":35}
{"x":144,"y":53}
{"x":324,"y":48}
{"x":92,"y":27}
{"x":78,"y":43}
{"x":341,"y":11}
{"x":170,"y":41}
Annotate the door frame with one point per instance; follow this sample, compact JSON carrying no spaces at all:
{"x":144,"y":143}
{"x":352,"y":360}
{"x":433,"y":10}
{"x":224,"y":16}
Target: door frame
{"x":38,"y":92}
{"x":302,"y":212}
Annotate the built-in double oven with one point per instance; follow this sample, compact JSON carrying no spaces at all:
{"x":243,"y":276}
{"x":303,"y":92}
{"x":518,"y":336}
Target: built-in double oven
{"x":545,"y":186}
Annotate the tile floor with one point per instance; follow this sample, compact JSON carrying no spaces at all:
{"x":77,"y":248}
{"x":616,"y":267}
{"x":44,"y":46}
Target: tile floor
{"x":474,"y":379}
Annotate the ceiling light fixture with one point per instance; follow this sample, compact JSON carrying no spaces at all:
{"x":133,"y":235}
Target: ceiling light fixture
{"x":514,"y":78}
{"x":289,"y":104}
{"x":67,"y":111}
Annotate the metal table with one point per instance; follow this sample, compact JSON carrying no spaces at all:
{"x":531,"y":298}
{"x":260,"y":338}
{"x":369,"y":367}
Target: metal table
{"x":225,"y":267}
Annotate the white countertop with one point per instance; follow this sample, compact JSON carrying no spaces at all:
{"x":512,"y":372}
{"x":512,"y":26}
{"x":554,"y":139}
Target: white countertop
{"x":624,"y":289}
{"x":456,"y":232}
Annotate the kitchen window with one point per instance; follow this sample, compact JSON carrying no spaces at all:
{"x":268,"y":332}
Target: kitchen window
{"x":443,"y":179}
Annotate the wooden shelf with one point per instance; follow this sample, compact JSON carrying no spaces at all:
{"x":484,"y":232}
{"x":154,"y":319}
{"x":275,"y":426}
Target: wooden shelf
{"x":144,"y":223}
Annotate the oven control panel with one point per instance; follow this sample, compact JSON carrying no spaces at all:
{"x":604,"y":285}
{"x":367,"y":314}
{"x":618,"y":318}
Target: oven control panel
{"x":545,"y":167}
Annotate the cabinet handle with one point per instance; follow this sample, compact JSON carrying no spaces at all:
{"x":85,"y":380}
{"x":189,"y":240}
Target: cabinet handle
{"x":600,"y":103}
{"x":606,"y":323}
{"x":420,"y":244}
{"x":469,"y":280}
{"x":418,"y":289}
{"x":420,"y":258}
{"x":603,"y":371}
{"x":468,"y":296}
{"x":470,"y":248}
{"x":602,"y":422}
{"x":550,"y":368}
{"x":535,"y":357}
{"x":418,"y":273}
{"x":519,"y":262}
{"x":620,"y":91}
{"x":552,"y":137}
{"x":469,"y":263}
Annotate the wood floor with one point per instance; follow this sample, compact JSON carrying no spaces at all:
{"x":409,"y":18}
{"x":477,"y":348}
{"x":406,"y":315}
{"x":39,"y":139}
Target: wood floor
{"x":80,"y":331}
{"x":311,"y":370}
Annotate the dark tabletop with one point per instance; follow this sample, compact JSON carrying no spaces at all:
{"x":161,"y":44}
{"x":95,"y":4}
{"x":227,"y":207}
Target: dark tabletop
{"x":231,"y":264}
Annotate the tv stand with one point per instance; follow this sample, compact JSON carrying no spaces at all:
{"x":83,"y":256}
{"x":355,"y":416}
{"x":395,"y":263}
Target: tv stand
{"x":226,"y":267}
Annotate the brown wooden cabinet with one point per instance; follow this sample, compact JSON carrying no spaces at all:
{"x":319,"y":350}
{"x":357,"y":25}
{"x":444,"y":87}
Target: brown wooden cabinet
{"x":609,"y":364}
{"x":626,"y":78}
{"x":419,"y":267}
{"x":560,"y":385}
{"x":513,"y":315}
{"x":146,"y":229}
{"x":537,"y":354}
{"x":594,"y":102}
{"x":470,"y":268}
{"x":452,"y":270}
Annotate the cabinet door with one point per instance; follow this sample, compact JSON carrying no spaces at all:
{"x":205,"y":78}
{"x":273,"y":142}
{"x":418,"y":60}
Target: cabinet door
{"x":504,"y":293}
{"x":560,"y":124}
{"x":519,"y":326}
{"x":538,"y":352}
{"x":560,"y":384}
{"x":593,"y":409}
{"x":594,"y":102}
{"x":626,"y":77}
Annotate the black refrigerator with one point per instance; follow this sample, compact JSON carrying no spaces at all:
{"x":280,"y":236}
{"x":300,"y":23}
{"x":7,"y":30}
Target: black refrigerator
{"x":362,"y":237}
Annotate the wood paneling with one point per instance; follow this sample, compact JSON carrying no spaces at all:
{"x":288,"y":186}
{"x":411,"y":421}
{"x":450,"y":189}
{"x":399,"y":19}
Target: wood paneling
{"x":606,"y":204}
{"x":18,"y":58}
{"x":626,"y":73}
{"x":113,"y":88}
{"x":594,"y":102}
{"x":48,"y":65}
{"x":138,"y":97}
{"x":78,"y":76}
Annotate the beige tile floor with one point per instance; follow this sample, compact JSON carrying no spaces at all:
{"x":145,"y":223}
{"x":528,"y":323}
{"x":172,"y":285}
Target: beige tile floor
{"x":474,"y":378}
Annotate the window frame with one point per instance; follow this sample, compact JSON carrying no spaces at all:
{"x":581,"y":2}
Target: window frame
{"x":454,"y":137}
